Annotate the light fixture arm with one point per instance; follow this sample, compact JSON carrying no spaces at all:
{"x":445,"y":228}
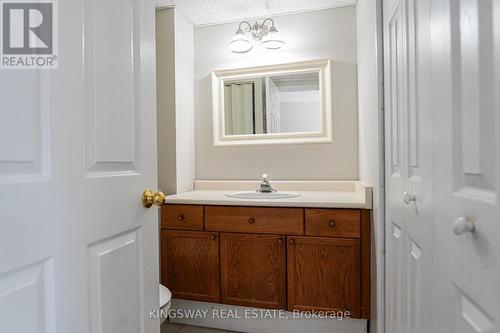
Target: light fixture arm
{"x":248,"y":29}
{"x":267,"y":19}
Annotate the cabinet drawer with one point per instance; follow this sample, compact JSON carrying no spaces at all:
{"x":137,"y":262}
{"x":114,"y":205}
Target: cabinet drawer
{"x":333,"y":222}
{"x":188,"y":217}
{"x":284,"y":221}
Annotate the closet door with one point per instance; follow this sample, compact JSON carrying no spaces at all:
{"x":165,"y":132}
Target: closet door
{"x":466,"y":107}
{"x":394,"y":181}
{"x":408,"y":166}
{"x":444,"y":117}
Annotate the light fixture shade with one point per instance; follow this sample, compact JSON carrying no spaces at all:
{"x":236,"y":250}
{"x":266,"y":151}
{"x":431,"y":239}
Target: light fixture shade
{"x":273,"y":39}
{"x":240,"y":43}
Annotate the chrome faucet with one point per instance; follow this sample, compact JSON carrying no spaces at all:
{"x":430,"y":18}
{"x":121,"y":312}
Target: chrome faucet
{"x":265,"y":187}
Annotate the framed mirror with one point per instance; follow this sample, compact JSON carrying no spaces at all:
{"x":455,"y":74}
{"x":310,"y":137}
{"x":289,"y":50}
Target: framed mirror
{"x":277,"y":104}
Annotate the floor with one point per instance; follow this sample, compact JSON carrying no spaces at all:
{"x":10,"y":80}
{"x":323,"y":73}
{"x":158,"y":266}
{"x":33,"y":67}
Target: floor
{"x":177,"y":328}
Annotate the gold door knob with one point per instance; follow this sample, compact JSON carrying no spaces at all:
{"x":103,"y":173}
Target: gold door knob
{"x":149,"y":198}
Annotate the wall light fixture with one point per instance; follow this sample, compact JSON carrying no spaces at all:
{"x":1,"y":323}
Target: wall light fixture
{"x":264,"y":32}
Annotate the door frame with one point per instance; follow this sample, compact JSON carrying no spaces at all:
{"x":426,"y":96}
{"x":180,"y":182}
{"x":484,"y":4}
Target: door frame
{"x":372,"y":166}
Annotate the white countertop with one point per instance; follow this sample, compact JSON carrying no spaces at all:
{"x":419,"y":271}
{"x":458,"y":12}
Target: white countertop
{"x":317,"y":194}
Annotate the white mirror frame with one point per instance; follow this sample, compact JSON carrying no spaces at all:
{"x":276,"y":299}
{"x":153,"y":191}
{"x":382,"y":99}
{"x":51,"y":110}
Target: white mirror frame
{"x":325,"y":88}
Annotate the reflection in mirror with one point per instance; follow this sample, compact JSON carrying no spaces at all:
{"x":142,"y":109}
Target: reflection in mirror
{"x":273,"y":104}
{"x":286,"y":103}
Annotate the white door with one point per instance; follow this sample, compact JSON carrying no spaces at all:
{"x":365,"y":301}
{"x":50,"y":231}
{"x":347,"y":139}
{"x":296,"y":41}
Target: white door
{"x":466,"y":106}
{"x":78,"y":251}
{"x":272,"y":106}
{"x":394,"y":181}
{"x":442,"y":113}
{"x":408,"y":125}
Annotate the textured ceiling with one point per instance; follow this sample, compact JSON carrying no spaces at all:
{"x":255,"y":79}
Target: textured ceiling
{"x":202,"y":12}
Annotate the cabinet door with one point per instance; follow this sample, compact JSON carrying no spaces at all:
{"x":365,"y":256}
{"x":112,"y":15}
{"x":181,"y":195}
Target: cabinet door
{"x":324,"y":274}
{"x":190,"y":264}
{"x":253,"y":270}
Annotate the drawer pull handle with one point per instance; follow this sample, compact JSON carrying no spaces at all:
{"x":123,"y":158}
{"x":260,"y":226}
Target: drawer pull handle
{"x":251,"y":220}
{"x":213,"y":237}
{"x":180,"y":217}
{"x":280,"y":241}
{"x":291,"y":241}
{"x":332,"y":223}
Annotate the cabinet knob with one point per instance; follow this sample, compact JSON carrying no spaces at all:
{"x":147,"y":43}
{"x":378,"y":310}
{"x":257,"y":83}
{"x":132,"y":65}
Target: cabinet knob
{"x":180,"y":217}
{"x":213,"y":237}
{"x":280,"y":241}
{"x":291,"y":241}
{"x":463,"y":225}
{"x":332,"y":223}
{"x":251,"y":220}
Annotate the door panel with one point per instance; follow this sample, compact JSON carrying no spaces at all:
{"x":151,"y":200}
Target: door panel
{"x":190,"y":264}
{"x":24,"y":154}
{"x":394,"y":247}
{"x":110,"y":260}
{"x":473,"y":93}
{"x":27,"y":301}
{"x":317,"y":267}
{"x":465,"y":57}
{"x":395,"y":162}
{"x":451,"y":51}
{"x":78,"y":147}
{"x":408,"y":165}
{"x":112,"y":60}
{"x":413,"y":292}
{"x":469,"y":317}
{"x":253,"y":270}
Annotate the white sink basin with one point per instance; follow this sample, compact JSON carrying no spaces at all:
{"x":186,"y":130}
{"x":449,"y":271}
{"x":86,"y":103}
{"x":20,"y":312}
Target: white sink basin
{"x":261,"y":195}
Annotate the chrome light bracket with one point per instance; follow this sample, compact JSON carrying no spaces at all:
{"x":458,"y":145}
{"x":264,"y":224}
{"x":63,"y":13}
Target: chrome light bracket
{"x":258,"y":30}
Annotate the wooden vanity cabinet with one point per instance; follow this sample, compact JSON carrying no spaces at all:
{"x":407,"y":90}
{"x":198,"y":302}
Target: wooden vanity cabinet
{"x":255,"y":220}
{"x":253,"y":270}
{"x":182,"y":217}
{"x":324,"y":274}
{"x":333,"y":222}
{"x":267,"y":257}
{"x":190,"y":264}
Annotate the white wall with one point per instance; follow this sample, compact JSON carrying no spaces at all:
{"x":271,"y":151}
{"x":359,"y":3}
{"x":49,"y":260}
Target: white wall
{"x":175,"y":100}
{"x":184,"y":101}
{"x":165,"y":101}
{"x":314,"y":35}
{"x":371,"y":140}
{"x":300,"y":111}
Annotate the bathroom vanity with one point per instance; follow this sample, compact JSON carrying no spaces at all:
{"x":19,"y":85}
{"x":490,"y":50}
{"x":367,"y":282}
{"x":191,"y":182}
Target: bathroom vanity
{"x":309,"y":253}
